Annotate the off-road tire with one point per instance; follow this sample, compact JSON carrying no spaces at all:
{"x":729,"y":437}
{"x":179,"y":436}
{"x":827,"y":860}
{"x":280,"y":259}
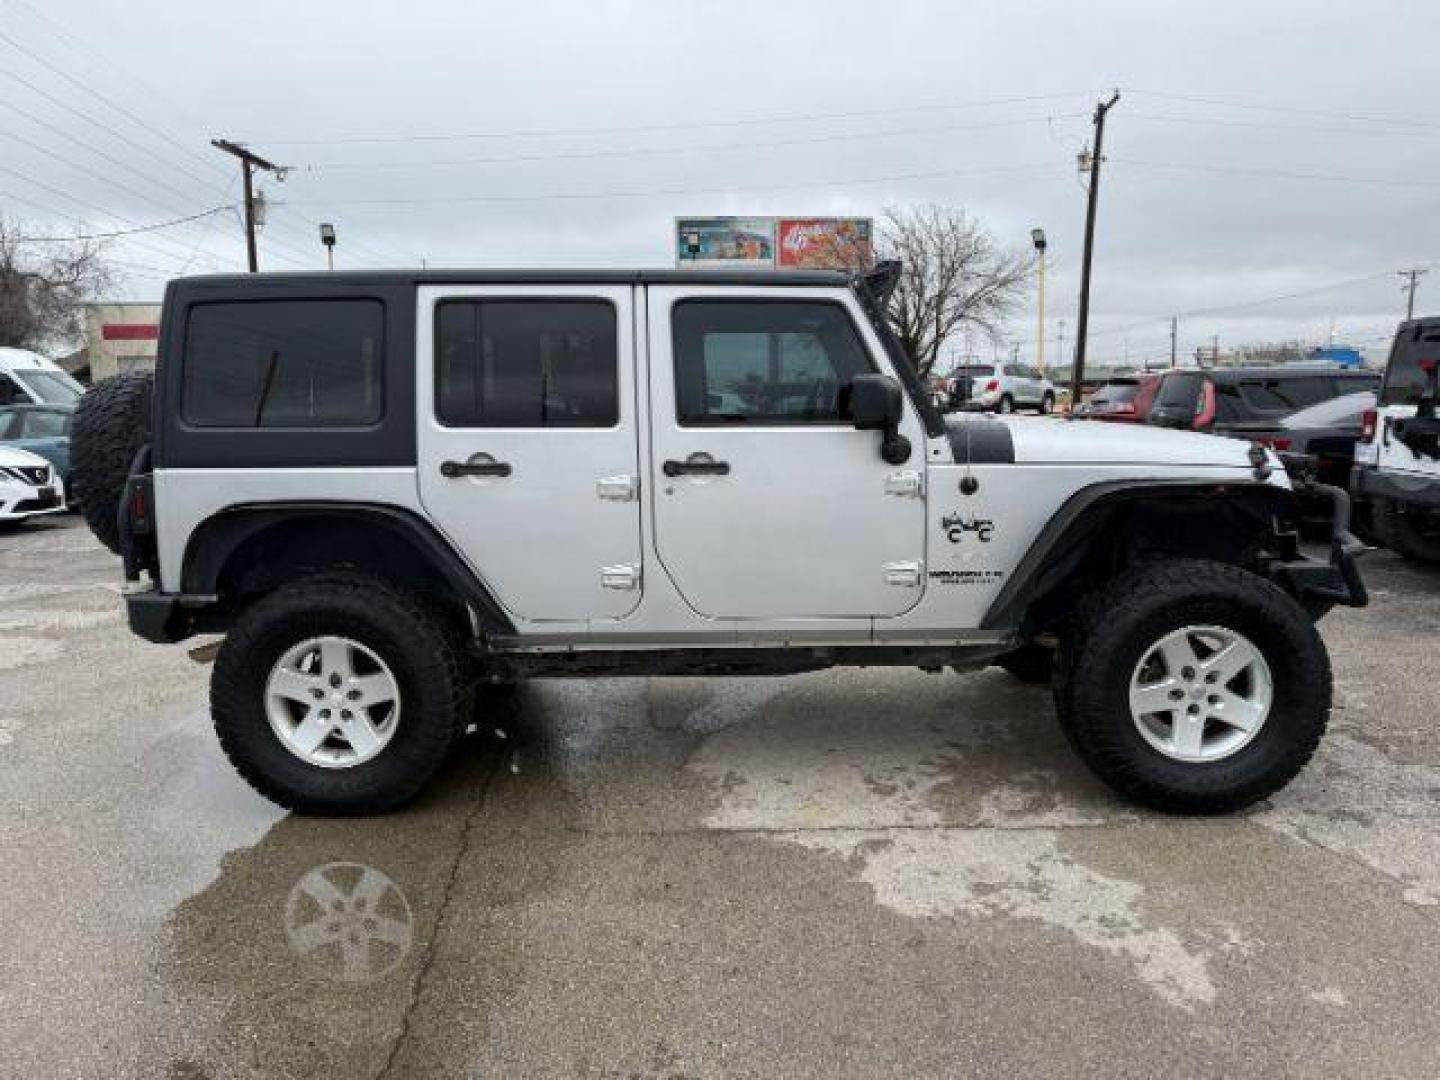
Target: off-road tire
{"x":1030,"y":663}
{"x":418,"y":644}
{"x":111,"y":425}
{"x":1108,"y":637}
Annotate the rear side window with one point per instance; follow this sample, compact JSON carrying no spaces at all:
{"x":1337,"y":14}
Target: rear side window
{"x":1404,"y":381}
{"x":526,"y":363}
{"x":283,"y":364}
{"x":44,"y":424}
{"x":763,"y":362}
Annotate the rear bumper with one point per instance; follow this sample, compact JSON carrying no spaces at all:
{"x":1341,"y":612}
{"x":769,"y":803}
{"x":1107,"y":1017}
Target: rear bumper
{"x":1368,"y":482}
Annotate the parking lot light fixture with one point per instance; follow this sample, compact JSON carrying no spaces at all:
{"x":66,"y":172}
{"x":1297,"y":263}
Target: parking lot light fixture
{"x":1037,"y":237}
{"x":327,"y":237}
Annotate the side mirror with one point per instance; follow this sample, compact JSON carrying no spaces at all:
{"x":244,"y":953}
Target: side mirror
{"x":876,"y":403}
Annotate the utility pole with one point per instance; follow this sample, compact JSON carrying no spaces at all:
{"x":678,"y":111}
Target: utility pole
{"x":1082,"y":330}
{"x":1414,"y":276}
{"x":1174,"y":334}
{"x":248,"y":164}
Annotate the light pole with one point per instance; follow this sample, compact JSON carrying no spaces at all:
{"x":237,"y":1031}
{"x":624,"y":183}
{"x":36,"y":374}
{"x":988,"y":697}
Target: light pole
{"x":327,"y":237}
{"x":1037,"y":237}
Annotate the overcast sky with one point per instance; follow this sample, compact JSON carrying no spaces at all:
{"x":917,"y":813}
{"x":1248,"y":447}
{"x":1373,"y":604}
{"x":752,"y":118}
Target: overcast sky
{"x":1258,"y":150}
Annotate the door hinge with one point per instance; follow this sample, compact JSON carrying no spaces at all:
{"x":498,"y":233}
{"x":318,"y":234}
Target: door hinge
{"x":907,"y":484}
{"x":907,"y":575}
{"x":625,"y":577}
{"x":618,"y":488}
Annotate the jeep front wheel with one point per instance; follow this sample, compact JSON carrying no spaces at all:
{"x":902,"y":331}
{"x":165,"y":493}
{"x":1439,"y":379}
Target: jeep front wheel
{"x":1193,"y":687}
{"x":339,"y":694}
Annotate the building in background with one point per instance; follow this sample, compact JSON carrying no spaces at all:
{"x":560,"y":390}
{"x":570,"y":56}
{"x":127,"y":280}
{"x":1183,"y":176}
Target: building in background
{"x":119,"y":337}
{"x":773,"y":243}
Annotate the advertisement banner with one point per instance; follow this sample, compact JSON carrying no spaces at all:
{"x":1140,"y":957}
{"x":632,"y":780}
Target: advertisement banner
{"x":823,"y":243}
{"x":725,"y":241}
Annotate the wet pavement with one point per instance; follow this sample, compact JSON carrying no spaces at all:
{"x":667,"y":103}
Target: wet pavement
{"x":854,"y":873}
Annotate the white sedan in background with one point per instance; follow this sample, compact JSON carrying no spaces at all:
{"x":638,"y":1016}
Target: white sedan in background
{"x":28,"y":486}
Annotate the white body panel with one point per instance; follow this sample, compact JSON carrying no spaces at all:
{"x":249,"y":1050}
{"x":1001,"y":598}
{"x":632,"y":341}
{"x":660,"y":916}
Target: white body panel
{"x":1393,"y":456}
{"x":803,"y":524}
{"x":550,"y":540}
{"x":16,"y":366}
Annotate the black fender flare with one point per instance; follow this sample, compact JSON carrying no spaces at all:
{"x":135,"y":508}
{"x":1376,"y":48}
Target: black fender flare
{"x":1079,"y":524}
{"x":218,"y":537}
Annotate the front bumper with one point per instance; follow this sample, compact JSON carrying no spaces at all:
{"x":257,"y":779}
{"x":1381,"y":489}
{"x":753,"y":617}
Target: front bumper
{"x":1335,"y":581}
{"x":19,"y":504}
{"x":166,"y":618}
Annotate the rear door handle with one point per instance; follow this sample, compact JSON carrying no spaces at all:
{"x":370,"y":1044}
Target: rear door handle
{"x":453,"y":469}
{"x":696,"y":468}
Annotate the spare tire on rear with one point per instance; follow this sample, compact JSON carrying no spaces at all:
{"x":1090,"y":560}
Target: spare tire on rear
{"x":111,"y":425}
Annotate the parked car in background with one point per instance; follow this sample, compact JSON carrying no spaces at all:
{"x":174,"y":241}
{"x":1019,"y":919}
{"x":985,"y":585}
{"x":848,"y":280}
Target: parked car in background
{"x":1317,"y":443}
{"x":28,"y":377}
{"x":28,"y":486}
{"x":1124,"y":400}
{"x":1397,"y":461}
{"x":42,"y":430}
{"x":1001,"y":388}
{"x":1216,"y":400}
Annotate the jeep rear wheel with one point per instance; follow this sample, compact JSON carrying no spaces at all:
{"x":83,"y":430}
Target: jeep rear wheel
{"x":1193,"y":687}
{"x":340,"y":694}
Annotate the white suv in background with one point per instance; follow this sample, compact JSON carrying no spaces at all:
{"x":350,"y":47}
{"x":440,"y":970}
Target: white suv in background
{"x":999,"y":388}
{"x":28,"y":486}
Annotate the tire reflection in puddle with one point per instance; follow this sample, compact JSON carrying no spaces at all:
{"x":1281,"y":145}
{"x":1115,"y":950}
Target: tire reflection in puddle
{"x":349,"y":921}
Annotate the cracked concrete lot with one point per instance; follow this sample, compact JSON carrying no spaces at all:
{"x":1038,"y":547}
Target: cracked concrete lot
{"x":855,"y":873}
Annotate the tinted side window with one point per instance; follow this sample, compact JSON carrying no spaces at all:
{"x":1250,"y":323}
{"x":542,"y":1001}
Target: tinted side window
{"x":1178,"y":391}
{"x":283,"y":364}
{"x":1228,"y":406}
{"x":1404,"y":379}
{"x":45,"y":424}
{"x":763,"y":362}
{"x":526,"y":363}
{"x":1286,"y":395}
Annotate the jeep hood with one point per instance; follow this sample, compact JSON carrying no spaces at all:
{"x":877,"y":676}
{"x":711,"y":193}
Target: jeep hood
{"x":1046,"y":440}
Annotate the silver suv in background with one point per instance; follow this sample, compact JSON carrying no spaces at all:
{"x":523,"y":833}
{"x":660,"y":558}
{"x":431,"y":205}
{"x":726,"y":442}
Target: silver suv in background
{"x":1001,"y":388}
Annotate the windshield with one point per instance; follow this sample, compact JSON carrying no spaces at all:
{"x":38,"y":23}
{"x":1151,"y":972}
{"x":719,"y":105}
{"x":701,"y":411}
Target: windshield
{"x":1115,"y":393}
{"x":49,"y":387}
{"x":1404,"y":381}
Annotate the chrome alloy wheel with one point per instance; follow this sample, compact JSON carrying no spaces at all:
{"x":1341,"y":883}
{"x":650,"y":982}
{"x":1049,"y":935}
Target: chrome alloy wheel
{"x":332,"y":702}
{"x":1201,"y":693}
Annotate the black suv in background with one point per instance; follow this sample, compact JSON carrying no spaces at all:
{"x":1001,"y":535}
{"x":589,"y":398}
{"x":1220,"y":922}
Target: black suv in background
{"x":1217,"y":400}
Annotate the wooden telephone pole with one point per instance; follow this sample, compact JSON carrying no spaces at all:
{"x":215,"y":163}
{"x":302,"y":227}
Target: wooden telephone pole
{"x":249,"y":162}
{"x":1082,"y":330}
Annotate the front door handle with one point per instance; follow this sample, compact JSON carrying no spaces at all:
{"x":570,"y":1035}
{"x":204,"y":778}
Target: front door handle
{"x":452,"y":469}
{"x":703,"y":467}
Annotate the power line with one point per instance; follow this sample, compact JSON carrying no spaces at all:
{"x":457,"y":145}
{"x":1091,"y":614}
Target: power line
{"x":124,"y":232}
{"x":1262,"y":125}
{"x":677,"y":126}
{"x":648,"y":151}
{"x":587,"y":195}
{"x":1330,"y":114}
{"x":110,"y":104}
{"x":1242,"y":171}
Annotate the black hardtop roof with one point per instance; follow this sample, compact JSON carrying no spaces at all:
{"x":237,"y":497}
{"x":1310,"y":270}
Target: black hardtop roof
{"x":503,"y":276}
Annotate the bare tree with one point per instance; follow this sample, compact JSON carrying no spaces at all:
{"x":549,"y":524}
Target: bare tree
{"x":44,"y":285}
{"x":956,"y":277}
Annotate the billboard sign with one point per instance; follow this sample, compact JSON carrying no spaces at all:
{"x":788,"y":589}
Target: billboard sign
{"x":725,"y":241}
{"x":822,"y":243}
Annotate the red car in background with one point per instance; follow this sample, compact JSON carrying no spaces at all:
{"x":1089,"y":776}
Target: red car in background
{"x":1124,"y":400}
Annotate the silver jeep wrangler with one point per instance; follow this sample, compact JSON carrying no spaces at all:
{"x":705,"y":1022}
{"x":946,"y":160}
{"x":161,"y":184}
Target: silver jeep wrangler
{"x":392,"y":491}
